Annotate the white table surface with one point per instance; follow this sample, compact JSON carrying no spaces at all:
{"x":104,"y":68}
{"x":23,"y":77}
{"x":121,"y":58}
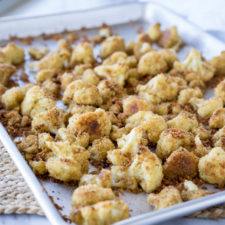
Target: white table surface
{"x":207,"y":14}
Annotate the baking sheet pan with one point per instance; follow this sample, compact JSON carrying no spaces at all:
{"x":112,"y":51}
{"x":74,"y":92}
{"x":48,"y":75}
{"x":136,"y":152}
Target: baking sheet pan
{"x":118,"y":16}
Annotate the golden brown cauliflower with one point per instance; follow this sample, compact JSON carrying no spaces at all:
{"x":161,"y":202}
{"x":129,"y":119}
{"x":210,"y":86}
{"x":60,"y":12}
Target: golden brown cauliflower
{"x":194,"y":62}
{"x":200,"y":149}
{"x":217,"y":120}
{"x":152,"y":123}
{"x":69,"y":162}
{"x":12,"y":98}
{"x":169,"y":55}
{"x":181,"y":164}
{"x":141,"y":48}
{"x":100,"y":147}
{"x":104,"y":212}
{"x":205,"y":108}
{"x":186,"y":94}
{"x":220,"y":90}
{"x":152,"y":63}
{"x":154,"y":32}
{"x":82,"y":53}
{"x":97,"y":124}
{"x":211,"y":167}
{"x":219,"y":138}
{"x":184,"y":120}
{"x":110,"y":45}
{"x":173,"y":138}
{"x":161,"y":88}
{"x":133,"y":104}
{"x":38,"y":53}
{"x":51,"y":61}
{"x":6,"y":71}
{"x":89,"y":76}
{"x":39,"y":167}
{"x":82,"y":93}
{"x":45,"y":74}
{"x":14,"y":53}
{"x":219,"y":64}
{"x":117,"y":72}
{"x":190,"y":191}
{"x":29,"y":144}
{"x":170,"y":39}
{"x":36,"y":100}
{"x":49,"y":121}
{"x":169,"y":196}
{"x":103,"y":179}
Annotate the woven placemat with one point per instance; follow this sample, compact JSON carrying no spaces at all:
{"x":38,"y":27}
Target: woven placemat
{"x":16,"y":197}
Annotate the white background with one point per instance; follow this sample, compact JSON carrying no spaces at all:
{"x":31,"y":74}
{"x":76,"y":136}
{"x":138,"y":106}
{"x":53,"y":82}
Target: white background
{"x":207,"y":14}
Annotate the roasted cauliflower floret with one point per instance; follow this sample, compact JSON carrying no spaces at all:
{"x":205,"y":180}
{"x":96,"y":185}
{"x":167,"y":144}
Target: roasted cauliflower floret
{"x":219,"y":138}
{"x":12,"y":98}
{"x":211,"y":167}
{"x":39,"y":167}
{"x":169,"y":196}
{"x":147,"y":169}
{"x":186,"y":94}
{"x":97,"y":124}
{"x":141,"y":48}
{"x":82,"y":93}
{"x":170,"y":39}
{"x":100,"y":147}
{"x":89,"y":76}
{"x":29,"y":144}
{"x":153,"y":124}
{"x":38,"y":53}
{"x":200,"y":149}
{"x":82,"y":53}
{"x":190,"y":191}
{"x":152,"y":63}
{"x":117,"y":72}
{"x":160,"y":88}
{"x":14,"y":53}
{"x":133,"y":104}
{"x":104,"y":212}
{"x":91,"y":194}
{"x":217,"y":120}
{"x":103,"y":179}
{"x":205,"y":108}
{"x":173,"y":138}
{"x":69,"y":163}
{"x":45,"y":74}
{"x":51,"y":61}
{"x":154,"y":32}
{"x":6,"y":70}
{"x":181,"y":164}
{"x":110,"y":45}
{"x":184,"y":120}
{"x":220,"y":90}
{"x":49,"y":121}
{"x":169,"y":55}
{"x":36,"y":100}
{"x":219,"y":64}
{"x":194,"y":62}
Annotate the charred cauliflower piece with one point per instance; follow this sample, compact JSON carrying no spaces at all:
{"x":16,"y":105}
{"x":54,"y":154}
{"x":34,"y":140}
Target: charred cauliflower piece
{"x":82,"y":53}
{"x":36,"y":100}
{"x":217,"y":120}
{"x":133,"y":104}
{"x":49,"y":121}
{"x":69,"y":162}
{"x":103,"y":179}
{"x":181,"y":163}
{"x":169,"y":196}
{"x":110,"y":45}
{"x":97,"y":124}
{"x":6,"y":71}
{"x":184,"y":120}
{"x":153,"y":124}
{"x":170,"y":39}
{"x":219,"y":64}
{"x":161,"y":88}
{"x":14,"y":53}
{"x":171,"y":139}
{"x":100,"y":147}
{"x":194,"y":62}
{"x":152,"y":63}
{"x":82,"y":93}
{"x":211,"y":167}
